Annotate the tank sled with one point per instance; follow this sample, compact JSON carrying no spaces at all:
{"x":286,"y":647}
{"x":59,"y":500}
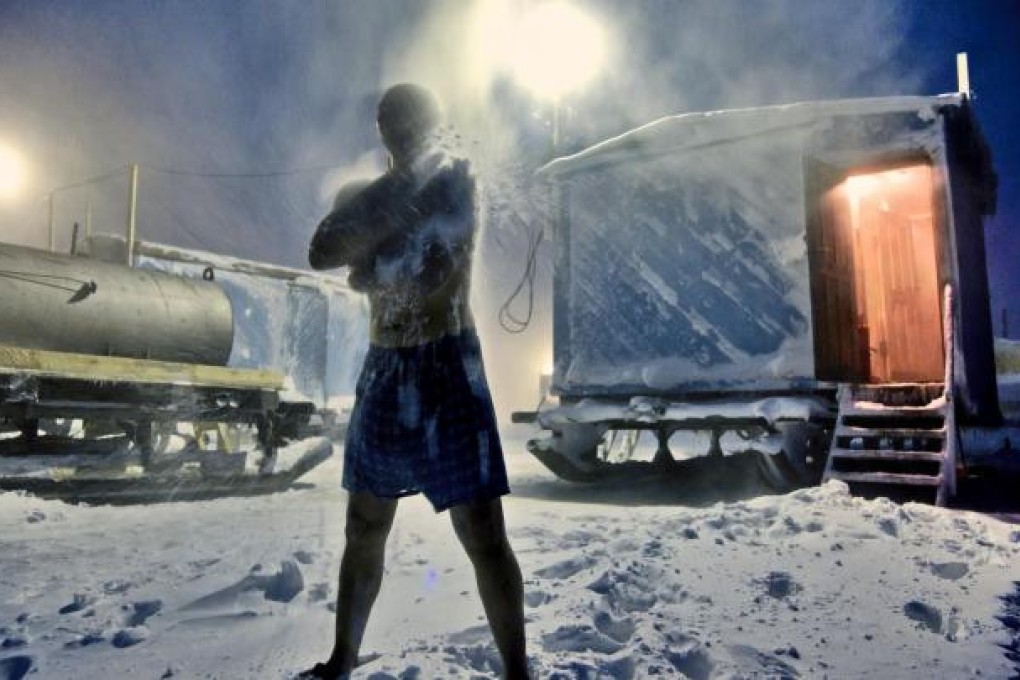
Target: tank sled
{"x":596,"y":440}
{"x":120,"y":430}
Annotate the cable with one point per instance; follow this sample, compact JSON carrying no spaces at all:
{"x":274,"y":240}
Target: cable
{"x":507,"y":319}
{"x":241,"y":175}
{"x":91,"y":180}
{"x":31,"y":277}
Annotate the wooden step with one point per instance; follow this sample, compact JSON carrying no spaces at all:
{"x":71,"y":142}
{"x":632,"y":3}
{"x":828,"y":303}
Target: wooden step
{"x":885,"y":454}
{"x":901,"y":432}
{"x":891,"y":411}
{"x":886,"y":478}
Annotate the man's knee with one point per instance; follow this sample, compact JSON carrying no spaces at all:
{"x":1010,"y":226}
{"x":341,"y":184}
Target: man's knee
{"x":368,"y":521}
{"x":481,"y":531}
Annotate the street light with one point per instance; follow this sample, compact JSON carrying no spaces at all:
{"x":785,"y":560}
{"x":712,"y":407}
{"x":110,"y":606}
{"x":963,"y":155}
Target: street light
{"x":556,"y":49}
{"x":552,"y":48}
{"x":560,"y":49}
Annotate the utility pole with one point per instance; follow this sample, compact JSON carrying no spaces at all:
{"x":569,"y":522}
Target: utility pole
{"x":1005,"y":323}
{"x":962,"y":74}
{"x":132,"y":214}
{"x":52,"y":220}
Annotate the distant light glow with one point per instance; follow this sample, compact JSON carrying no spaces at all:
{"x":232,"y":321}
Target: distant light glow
{"x":553,"y":49}
{"x":12,"y":172}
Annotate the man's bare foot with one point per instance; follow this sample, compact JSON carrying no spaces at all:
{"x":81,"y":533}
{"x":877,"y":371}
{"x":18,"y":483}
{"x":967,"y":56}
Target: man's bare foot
{"x":330,"y":670}
{"x":322,"y":671}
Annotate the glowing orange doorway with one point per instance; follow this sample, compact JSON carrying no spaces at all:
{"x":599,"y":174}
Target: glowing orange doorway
{"x":883,"y":223}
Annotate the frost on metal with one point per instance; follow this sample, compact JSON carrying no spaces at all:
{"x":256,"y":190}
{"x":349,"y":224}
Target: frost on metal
{"x":313,"y":331}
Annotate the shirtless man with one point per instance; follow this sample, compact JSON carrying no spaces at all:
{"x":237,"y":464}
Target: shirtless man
{"x":423,"y":420}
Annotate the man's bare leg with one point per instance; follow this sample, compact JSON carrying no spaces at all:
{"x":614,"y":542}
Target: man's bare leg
{"x":481,"y":531}
{"x":369,"y":519}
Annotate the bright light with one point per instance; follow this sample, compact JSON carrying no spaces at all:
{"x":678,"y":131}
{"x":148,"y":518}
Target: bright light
{"x":860,"y":186}
{"x":559,"y":49}
{"x":12,"y":172}
{"x":553,"y":50}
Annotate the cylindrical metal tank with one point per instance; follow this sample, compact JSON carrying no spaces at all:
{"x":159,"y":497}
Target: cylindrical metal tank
{"x":62,"y":303}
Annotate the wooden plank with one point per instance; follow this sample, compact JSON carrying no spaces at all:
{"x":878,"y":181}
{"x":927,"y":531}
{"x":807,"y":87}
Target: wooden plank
{"x":18,"y":360}
{"x":891,"y":412}
{"x":887,"y":478}
{"x":885,"y":454}
{"x":900,"y":432}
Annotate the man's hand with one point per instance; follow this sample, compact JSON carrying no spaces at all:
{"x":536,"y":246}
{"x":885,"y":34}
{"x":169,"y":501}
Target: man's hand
{"x":362,"y":276}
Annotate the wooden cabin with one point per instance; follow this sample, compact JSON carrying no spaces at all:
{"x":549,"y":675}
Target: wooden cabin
{"x":786,"y":250}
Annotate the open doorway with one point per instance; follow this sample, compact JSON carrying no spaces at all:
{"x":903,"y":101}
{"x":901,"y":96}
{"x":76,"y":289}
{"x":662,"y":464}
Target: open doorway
{"x":875,"y":290}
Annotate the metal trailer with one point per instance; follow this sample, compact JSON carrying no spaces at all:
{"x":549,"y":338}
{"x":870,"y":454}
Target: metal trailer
{"x":810,"y":278}
{"x":129,"y":355}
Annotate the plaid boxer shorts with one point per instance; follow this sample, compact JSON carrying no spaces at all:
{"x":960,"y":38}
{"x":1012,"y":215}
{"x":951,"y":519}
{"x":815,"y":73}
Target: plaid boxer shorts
{"x":423,"y":422}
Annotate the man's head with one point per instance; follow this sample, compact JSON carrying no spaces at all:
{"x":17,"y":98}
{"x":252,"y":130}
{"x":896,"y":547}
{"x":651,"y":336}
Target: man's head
{"x":408,"y":114}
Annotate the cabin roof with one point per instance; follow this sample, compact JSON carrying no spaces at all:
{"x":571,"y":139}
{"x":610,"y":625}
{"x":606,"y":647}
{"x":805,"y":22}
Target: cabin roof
{"x":693,"y":130}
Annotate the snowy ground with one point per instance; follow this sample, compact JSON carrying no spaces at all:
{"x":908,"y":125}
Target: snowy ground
{"x":624,"y":583}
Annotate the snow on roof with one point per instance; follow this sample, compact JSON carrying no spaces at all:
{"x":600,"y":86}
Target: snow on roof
{"x":691,"y":130}
{"x":329,"y":283}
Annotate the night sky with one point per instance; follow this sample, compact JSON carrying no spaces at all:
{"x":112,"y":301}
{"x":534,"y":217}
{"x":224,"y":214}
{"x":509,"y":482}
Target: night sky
{"x":189,"y":88}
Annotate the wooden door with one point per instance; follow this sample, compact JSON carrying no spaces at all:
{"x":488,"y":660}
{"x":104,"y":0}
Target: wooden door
{"x":840,"y":339}
{"x":896,"y":229}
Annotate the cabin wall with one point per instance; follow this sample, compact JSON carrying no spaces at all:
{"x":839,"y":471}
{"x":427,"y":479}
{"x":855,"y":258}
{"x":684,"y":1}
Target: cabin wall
{"x":972,"y":188}
{"x":686,"y":272}
{"x":689,"y":271}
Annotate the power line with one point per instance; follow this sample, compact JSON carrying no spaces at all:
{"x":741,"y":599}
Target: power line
{"x":91,"y":180}
{"x":192,"y":173}
{"x":242,"y":175}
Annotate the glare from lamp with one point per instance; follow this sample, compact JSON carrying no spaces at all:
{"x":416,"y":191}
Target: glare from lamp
{"x":12,"y":172}
{"x":556,"y":49}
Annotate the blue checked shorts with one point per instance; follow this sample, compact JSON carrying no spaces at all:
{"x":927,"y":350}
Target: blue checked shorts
{"x":423,"y":422}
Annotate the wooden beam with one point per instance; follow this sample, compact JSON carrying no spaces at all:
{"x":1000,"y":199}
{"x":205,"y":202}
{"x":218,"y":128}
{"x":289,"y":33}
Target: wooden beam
{"x":99,"y":368}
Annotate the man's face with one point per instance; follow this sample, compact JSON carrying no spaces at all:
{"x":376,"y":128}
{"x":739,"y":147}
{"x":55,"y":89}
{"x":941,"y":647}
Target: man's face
{"x":406,"y":117}
{"x":401,"y":135}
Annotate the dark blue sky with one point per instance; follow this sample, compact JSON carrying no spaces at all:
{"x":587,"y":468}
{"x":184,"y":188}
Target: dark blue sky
{"x":223,"y":87}
{"x":989,"y":31}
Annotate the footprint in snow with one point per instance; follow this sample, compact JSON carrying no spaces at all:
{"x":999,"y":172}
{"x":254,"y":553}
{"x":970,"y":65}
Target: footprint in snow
{"x":928,"y":616}
{"x":143,"y":610}
{"x":951,"y":571}
{"x":79,"y":602}
{"x":579,"y":638}
{"x":15,"y":667}
{"x":129,"y":637}
{"x":536,"y":598}
{"x":471,"y":635}
{"x":690,"y":657}
{"x":621,"y":630}
{"x":564,"y":569}
{"x":889,"y":526}
{"x":625,"y":591}
{"x":754,"y":661}
{"x":282,"y":586}
{"x":779,"y":584}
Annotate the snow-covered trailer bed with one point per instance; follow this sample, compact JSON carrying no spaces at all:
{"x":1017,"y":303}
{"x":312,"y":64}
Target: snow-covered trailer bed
{"x":158,"y":380}
{"x":779,"y":252}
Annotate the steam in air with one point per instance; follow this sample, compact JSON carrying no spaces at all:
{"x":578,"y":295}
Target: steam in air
{"x":282,"y":100}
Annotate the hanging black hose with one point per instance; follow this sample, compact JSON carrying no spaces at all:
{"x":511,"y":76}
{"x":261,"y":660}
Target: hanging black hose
{"x":507,"y":319}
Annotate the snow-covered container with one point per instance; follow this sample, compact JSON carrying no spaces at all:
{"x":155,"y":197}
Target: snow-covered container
{"x":776,"y":249}
{"x":794,"y":274}
{"x":308,"y":326}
